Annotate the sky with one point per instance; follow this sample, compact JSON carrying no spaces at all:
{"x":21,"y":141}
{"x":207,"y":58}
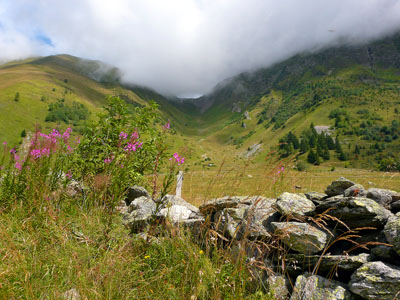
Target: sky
{"x":185,"y":47}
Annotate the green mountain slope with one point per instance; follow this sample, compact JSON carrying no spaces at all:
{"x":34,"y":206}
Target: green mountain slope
{"x":362,"y":83}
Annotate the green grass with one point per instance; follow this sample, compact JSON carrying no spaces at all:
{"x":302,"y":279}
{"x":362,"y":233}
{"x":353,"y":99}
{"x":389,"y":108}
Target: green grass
{"x":50,"y":252}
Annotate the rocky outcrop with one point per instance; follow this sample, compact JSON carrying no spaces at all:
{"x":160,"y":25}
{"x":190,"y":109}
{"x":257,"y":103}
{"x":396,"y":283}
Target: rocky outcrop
{"x":376,"y":281}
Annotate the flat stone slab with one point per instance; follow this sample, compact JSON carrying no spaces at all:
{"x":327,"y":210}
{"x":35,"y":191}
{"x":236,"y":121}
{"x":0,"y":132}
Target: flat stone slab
{"x":376,"y":281}
{"x":301,"y":237}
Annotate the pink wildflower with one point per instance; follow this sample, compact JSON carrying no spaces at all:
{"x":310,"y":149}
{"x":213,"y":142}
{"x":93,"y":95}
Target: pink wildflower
{"x":13,"y":151}
{"x":36,"y":153}
{"x":123,"y":135}
{"x":68,"y":175}
{"x":180,"y":160}
{"x":132,"y":147}
{"x":18,"y":166}
{"x":167,"y":126}
{"x":5,"y":143}
{"x":66,"y":134}
{"x":134,"y":136}
{"x":46,"y":151}
{"x":107,"y":160}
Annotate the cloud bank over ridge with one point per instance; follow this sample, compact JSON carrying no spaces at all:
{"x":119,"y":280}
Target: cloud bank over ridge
{"x":185,"y":47}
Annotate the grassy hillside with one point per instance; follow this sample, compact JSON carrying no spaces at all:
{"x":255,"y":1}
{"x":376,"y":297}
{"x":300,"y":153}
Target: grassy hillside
{"x":362,"y":83}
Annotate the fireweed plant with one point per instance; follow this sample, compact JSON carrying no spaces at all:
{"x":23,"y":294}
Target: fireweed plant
{"x":117,"y":150}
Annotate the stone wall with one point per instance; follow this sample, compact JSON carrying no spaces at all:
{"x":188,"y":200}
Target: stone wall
{"x":341,"y":244}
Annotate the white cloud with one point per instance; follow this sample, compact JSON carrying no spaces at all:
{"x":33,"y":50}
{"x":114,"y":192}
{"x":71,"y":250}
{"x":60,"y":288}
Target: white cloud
{"x":187,"y":46}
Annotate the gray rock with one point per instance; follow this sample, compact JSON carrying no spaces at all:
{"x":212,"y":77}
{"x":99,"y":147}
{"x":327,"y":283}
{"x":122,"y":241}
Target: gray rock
{"x":140,"y":212}
{"x":294,"y":205}
{"x":301,"y":237}
{"x":326,"y":263}
{"x":376,"y":281}
{"x":338,"y":187}
{"x":169,"y":200}
{"x":315,"y":196}
{"x":71,"y":294}
{"x":356,"y":212}
{"x":228,"y":221}
{"x":356,"y":190}
{"x":135,"y":192}
{"x":314,"y":287}
{"x":226,"y":202}
{"x":278,"y":285}
{"x":381,"y":196}
{"x":258,"y":217}
{"x":392,"y":232}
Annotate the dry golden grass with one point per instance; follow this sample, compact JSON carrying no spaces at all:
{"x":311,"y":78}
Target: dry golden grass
{"x":202,"y":185}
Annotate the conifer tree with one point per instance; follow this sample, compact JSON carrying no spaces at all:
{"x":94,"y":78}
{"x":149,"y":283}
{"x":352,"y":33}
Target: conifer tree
{"x":304,"y":147}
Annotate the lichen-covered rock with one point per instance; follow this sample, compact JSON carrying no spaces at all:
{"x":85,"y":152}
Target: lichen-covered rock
{"x":376,"y":281}
{"x":139,"y":214}
{"x":392,"y":232}
{"x":381,"y":196}
{"x":356,"y":212}
{"x":294,"y":205}
{"x":315,"y":196}
{"x":301,"y":237}
{"x":218,"y":204}
{"x":135,"y":192}
{"x":326,"y":263}
{"x":278,"y":285}
{"x":228,"y":221}
{"x":314,"y":287}
{"x":356,"y":190}
{"x":338,"y":187}
{"x":258,"y":217}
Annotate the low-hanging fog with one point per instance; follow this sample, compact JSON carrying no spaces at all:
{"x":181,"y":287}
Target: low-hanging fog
{"x":185,"y":47}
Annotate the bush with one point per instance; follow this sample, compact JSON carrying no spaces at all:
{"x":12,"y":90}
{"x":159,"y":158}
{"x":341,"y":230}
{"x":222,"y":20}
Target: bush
{"x":301,"y":166}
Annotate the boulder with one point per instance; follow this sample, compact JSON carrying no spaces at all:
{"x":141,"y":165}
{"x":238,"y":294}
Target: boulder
{"x":376,"y":281}
{"x":258,"y":217}
{"x":356,"y":190}
{"x":355,"y":212}
{"x":294,"y":205}
{"x":392,"y":232}
{"x":278,"y":285}
{"x":134,"y":192}
{"x":143,"y":210}
{"x":301,"y":237}
{"x":217,"y":204}
{"x":326,"y":263}
{"x":314,"y":287}
{"x":228,"y":221}
{"x":338,"y":187}
{"x":381,"y":196}
{"x":139,"y":214}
